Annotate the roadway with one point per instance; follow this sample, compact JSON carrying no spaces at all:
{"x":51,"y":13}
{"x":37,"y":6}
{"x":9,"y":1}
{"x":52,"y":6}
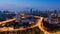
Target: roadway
{"x":6,"y":21}
{"x":38,"y":24}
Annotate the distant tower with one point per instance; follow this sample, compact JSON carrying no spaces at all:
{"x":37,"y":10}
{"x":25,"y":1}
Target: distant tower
{"x":31,"y":11}
{"x":17,"y":17}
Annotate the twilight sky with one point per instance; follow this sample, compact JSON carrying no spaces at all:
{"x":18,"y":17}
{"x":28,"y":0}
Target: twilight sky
{"x":25,"y":4}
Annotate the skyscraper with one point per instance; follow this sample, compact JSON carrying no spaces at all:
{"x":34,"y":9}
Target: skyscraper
{"x":31,"y":11}
{"x":17,"y":17}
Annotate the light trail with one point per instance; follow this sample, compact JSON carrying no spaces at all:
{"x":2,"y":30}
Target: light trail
{"x":41,"y":27}
{"x":38,"y":23}
{"x":6,"y":21}
{"x":12,"y":29}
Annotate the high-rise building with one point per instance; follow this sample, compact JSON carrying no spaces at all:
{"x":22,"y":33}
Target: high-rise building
{"x":31,"y":11}
{"x":17,"y":17}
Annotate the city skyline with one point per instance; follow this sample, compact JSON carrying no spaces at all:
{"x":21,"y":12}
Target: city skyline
{"x":26,"y":4}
